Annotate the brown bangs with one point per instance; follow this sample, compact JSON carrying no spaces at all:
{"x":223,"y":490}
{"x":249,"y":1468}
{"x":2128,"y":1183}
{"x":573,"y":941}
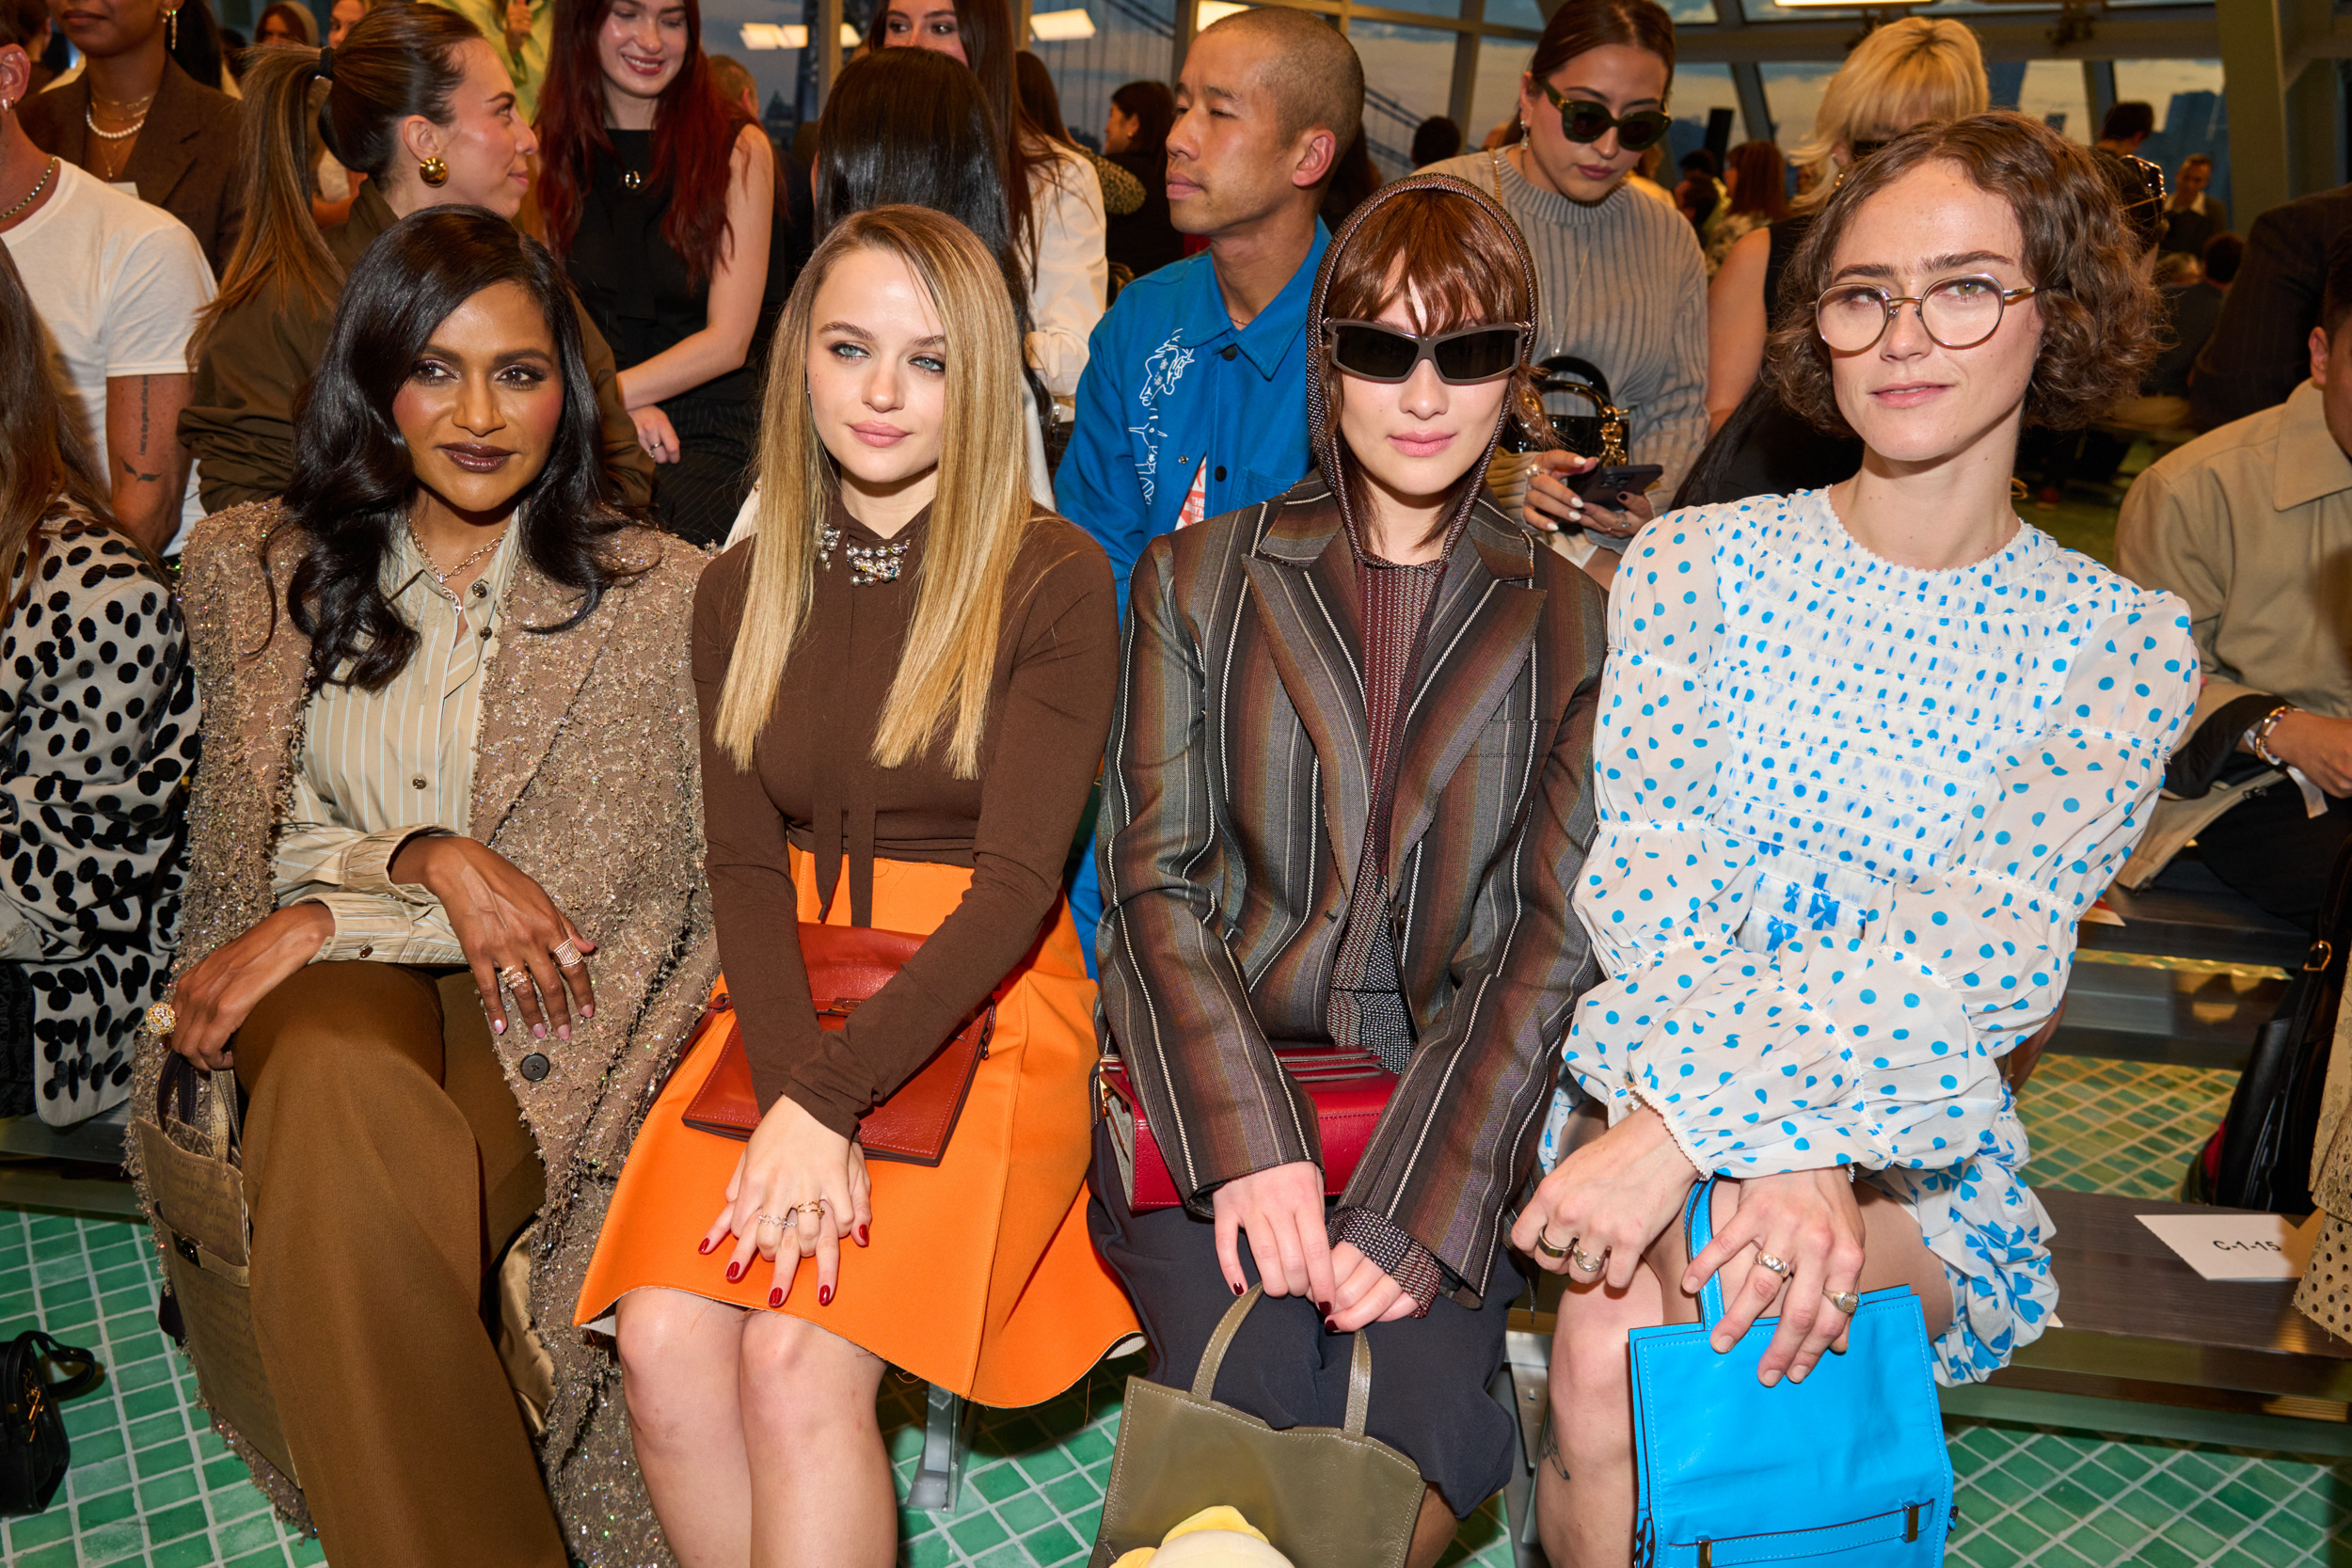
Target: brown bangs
{"x":1459,"y":258}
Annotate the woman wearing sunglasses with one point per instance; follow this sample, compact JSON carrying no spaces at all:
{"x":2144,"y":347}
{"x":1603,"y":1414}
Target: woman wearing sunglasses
{"x":1623,"y":285}
{"x":1345,"y":787}
{"x":1865,"y":755}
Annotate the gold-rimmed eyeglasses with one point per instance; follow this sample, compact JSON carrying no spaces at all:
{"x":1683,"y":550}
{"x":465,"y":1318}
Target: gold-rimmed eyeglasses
{"x":1958,"y":312}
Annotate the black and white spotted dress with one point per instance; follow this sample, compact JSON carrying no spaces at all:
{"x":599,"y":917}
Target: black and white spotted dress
{"x":98,"y":733}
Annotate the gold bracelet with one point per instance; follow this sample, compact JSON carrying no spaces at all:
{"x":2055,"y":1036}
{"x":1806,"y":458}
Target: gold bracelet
{"x":2261,"y":733}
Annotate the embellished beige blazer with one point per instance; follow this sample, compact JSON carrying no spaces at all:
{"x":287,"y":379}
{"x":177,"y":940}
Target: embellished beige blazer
{"x":587,"y":779}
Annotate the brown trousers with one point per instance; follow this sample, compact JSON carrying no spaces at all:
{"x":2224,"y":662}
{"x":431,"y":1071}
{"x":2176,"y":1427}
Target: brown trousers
{"x":387,"y":1164}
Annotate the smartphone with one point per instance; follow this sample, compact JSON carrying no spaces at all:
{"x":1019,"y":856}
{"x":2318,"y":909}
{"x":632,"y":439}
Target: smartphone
{"x":1632,"y":477}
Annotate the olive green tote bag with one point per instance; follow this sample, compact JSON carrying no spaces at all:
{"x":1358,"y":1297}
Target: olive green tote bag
{"x":1327,"y":1498}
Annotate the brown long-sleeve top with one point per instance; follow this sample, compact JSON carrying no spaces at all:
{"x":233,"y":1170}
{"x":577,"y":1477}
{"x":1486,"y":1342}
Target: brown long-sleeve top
{"x":814,"y":785}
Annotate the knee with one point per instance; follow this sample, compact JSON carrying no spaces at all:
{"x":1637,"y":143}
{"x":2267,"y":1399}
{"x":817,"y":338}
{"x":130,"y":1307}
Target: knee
{"x":797,"y":1377}
{"x":662,"y":1347}
{"x":1588,"y":1368}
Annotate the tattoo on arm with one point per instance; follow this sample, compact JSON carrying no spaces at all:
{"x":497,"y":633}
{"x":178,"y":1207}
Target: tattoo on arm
{"x":137,"y":474}
{"x":140,"y":475}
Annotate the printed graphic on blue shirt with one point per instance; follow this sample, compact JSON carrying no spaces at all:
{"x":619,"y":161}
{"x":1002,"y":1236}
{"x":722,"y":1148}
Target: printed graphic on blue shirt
{"x":1161,"y":372}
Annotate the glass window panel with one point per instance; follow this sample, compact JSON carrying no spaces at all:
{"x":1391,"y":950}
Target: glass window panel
{"x":2190,"y":116}
{"x":1764,"y":10}
{"x":1515,"y":13}
{"x":1792,"y":94}
{"x":2054,"y":92}
{"x":774,"y":71}
{"x":1427,"y":8}
{"x":1690,"y":11}
{"x":1495,"y":95}
{"x":1409,"y":75}
{"x":1699,"y":88}
{"x":1135,"y":40}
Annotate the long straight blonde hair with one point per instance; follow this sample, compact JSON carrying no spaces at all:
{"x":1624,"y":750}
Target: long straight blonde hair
{"x":979,"y":518}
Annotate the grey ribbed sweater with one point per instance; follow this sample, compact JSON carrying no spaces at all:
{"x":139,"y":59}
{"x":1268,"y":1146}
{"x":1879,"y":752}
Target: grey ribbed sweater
{"x":1622,"y":285}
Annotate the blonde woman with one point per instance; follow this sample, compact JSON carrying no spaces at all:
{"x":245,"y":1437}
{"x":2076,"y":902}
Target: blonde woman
{"x":906,"y":678}
{"x":1916,"y":71}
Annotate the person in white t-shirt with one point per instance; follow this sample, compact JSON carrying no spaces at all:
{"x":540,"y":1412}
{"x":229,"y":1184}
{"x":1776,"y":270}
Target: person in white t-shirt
{"x":119,"y":285}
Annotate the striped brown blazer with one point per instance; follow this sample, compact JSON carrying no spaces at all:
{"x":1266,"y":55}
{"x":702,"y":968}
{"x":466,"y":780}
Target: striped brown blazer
{"x":1234,"y":801}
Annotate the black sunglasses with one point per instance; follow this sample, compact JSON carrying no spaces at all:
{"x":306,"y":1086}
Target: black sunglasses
{"x":1380,"y":353}
{"x":1584,"y":120}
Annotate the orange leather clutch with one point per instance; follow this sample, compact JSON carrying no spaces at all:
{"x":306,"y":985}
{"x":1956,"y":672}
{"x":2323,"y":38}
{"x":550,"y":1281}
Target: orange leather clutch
{"x":846,"y":965}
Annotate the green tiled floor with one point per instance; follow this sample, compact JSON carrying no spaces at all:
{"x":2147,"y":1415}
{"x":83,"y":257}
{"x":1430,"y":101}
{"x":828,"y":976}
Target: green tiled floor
{"x":145,"y":1489}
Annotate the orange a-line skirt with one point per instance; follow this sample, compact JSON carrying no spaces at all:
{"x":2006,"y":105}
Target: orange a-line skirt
{"x":979,"y":1276}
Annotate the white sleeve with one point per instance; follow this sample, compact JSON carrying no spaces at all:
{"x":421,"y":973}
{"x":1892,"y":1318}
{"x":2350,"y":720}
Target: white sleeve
{"x":1071,"y":278}
{"x":155,"y":286}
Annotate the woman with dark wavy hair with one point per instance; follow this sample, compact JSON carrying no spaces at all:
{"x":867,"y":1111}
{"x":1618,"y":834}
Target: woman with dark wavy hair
{"x":660,"y":195}
{"x":1865,"y":753}
{"x":449,"y":693}
{"x":81,"y":957}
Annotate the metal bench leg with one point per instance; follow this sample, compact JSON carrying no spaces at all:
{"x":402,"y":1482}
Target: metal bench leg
{"x":1521,"y":1386}
{"x":939,"y":1474}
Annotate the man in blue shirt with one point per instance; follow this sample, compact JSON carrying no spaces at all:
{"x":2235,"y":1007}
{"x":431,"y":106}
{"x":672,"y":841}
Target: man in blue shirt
{"x":1194,"y":400}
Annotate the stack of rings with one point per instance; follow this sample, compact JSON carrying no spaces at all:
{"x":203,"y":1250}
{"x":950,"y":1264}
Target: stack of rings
{"x":517,"y":978}
{"x":783,"y":1220}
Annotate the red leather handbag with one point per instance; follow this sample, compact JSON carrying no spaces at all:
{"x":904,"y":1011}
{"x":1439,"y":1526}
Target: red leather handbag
{"x":1350,"y":1091}
{"x":848,"y":964}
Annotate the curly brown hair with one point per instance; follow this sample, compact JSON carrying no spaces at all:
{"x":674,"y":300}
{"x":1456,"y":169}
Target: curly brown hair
{"x":2099,"y":313}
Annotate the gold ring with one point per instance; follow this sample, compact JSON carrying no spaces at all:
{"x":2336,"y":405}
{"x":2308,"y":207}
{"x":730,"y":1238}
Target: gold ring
{"x":567,"y":954}
{"x":162,"y":1018}
{"x":1847,"y":1302}
{"x":1766,"y":1260}
{"x":779,"y":1223}
{"x":517,"y":978}
{"x":1543,"y":1243}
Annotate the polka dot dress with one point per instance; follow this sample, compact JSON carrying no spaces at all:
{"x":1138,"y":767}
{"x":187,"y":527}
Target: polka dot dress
{"x":1850,"y":813}
{"x":97,"y":719}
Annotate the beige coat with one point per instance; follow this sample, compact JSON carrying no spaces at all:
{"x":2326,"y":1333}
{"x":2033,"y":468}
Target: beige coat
{"x":587,"y":779}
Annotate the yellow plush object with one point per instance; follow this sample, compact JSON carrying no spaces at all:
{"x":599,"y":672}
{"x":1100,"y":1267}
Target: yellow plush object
{"x":1215,"y":1537}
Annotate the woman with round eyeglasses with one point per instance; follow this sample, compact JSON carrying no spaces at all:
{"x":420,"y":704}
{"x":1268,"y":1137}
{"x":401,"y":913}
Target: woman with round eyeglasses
{"x":1623,"y":285}
{"x":1865,"y":755}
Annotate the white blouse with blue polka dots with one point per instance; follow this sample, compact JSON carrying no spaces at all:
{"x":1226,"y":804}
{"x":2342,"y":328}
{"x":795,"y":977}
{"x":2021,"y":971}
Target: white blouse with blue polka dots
{"x":1850,"y":813}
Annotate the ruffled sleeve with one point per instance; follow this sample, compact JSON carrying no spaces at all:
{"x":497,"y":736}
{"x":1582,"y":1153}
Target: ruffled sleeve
{"x":1767,"y":1047}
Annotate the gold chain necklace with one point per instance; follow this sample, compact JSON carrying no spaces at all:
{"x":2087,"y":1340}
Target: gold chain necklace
{"x":34,"y":195}
{"x":441,"y":576}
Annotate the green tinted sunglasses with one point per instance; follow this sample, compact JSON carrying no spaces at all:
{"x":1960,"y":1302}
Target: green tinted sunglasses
{"x":1584,"y":120}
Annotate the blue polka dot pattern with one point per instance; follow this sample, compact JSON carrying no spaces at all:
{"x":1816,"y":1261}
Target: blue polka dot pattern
{"x":1850,"y":815}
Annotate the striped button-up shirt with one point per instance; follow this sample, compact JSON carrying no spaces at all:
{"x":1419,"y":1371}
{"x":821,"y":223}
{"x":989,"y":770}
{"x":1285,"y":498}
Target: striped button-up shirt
{"x":381,"y":767}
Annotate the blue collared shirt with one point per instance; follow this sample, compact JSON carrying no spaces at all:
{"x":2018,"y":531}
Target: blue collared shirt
{"x":1169,"y":386}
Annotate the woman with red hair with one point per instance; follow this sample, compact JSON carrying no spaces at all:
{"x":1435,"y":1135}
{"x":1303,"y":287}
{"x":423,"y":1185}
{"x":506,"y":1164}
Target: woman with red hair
{"x":660,"y":197}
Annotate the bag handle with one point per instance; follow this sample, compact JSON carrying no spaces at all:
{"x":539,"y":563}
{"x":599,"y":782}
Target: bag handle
{"x":1698,"y":1229}
{"x":77,"y":1382}
{"x":176,"y":1091}
{"x":1359,"y":1367}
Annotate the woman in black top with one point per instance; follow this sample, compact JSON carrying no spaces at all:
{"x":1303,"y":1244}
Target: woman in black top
{"x":660,"y":197}
{"x":1136,"y":139}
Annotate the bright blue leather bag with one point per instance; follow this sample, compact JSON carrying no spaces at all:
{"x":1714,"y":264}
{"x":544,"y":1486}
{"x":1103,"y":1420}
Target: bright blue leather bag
{"x":1848,"y":1467}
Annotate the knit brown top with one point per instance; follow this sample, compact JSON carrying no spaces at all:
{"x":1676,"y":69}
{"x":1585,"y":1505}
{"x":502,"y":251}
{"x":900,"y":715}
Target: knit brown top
{"x":815,"y":784}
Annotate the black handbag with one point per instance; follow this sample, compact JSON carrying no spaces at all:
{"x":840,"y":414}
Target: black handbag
{"x":33,"y":1447}
{"x":1565,"y":381}
{"x":2261,"y":1157}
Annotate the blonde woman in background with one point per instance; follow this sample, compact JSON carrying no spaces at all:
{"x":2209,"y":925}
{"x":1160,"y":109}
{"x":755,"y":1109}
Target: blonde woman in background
{"x":903,"y":590}
{"x":1907,"y":73}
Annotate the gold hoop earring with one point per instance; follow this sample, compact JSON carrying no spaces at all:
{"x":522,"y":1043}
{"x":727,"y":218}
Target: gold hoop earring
{"x":432,"y":172}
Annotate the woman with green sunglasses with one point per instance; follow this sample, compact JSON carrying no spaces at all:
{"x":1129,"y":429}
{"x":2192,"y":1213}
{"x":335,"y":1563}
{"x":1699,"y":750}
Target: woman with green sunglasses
{"x":1623,"y":283}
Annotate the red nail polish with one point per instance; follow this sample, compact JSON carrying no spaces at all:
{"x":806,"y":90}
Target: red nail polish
{"x":860,"y":1235}
{"x":1323,"y":1307}
{"x":775,"y":1298}
{"x":735,"y":1272}
{"x":1330,"y":1326}
{"x":705,"y":1246}
{"x":824,"y":1295}
{"x":1237,"y":1289}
